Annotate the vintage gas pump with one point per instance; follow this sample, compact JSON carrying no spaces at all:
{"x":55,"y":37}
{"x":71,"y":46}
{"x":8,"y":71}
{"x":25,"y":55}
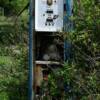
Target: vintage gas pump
{"x":46,"y":43}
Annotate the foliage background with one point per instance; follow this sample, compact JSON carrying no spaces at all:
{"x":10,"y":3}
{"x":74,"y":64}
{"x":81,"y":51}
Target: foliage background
{"x":13,"y":50}
{"x":80,"y":75}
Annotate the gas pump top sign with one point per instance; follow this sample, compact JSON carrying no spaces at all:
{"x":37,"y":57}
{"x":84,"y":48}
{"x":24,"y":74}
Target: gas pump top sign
{"x":49,"y":15}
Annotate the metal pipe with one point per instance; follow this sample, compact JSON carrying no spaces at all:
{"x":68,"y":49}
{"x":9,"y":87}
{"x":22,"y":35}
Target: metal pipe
{"x":30,"y":52}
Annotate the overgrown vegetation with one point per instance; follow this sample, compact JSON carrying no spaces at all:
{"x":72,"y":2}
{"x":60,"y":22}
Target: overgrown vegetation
{"x":79,"y":79}
{"x":13,"y":50}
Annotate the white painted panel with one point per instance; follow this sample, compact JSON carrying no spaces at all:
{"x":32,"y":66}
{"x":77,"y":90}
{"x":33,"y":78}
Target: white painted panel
{"x":48,"y":18}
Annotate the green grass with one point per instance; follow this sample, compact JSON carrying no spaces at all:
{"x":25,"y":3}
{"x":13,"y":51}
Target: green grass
{"x":4,"y":96}
{"x":6,"y":60}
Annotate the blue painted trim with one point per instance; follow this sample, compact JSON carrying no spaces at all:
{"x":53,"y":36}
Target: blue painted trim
{"x":68,"y":24}
{"x":30,"y":81}
{"x":68,"y":28}
{"x":69,"y":7}
{"x":67,"y":50}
